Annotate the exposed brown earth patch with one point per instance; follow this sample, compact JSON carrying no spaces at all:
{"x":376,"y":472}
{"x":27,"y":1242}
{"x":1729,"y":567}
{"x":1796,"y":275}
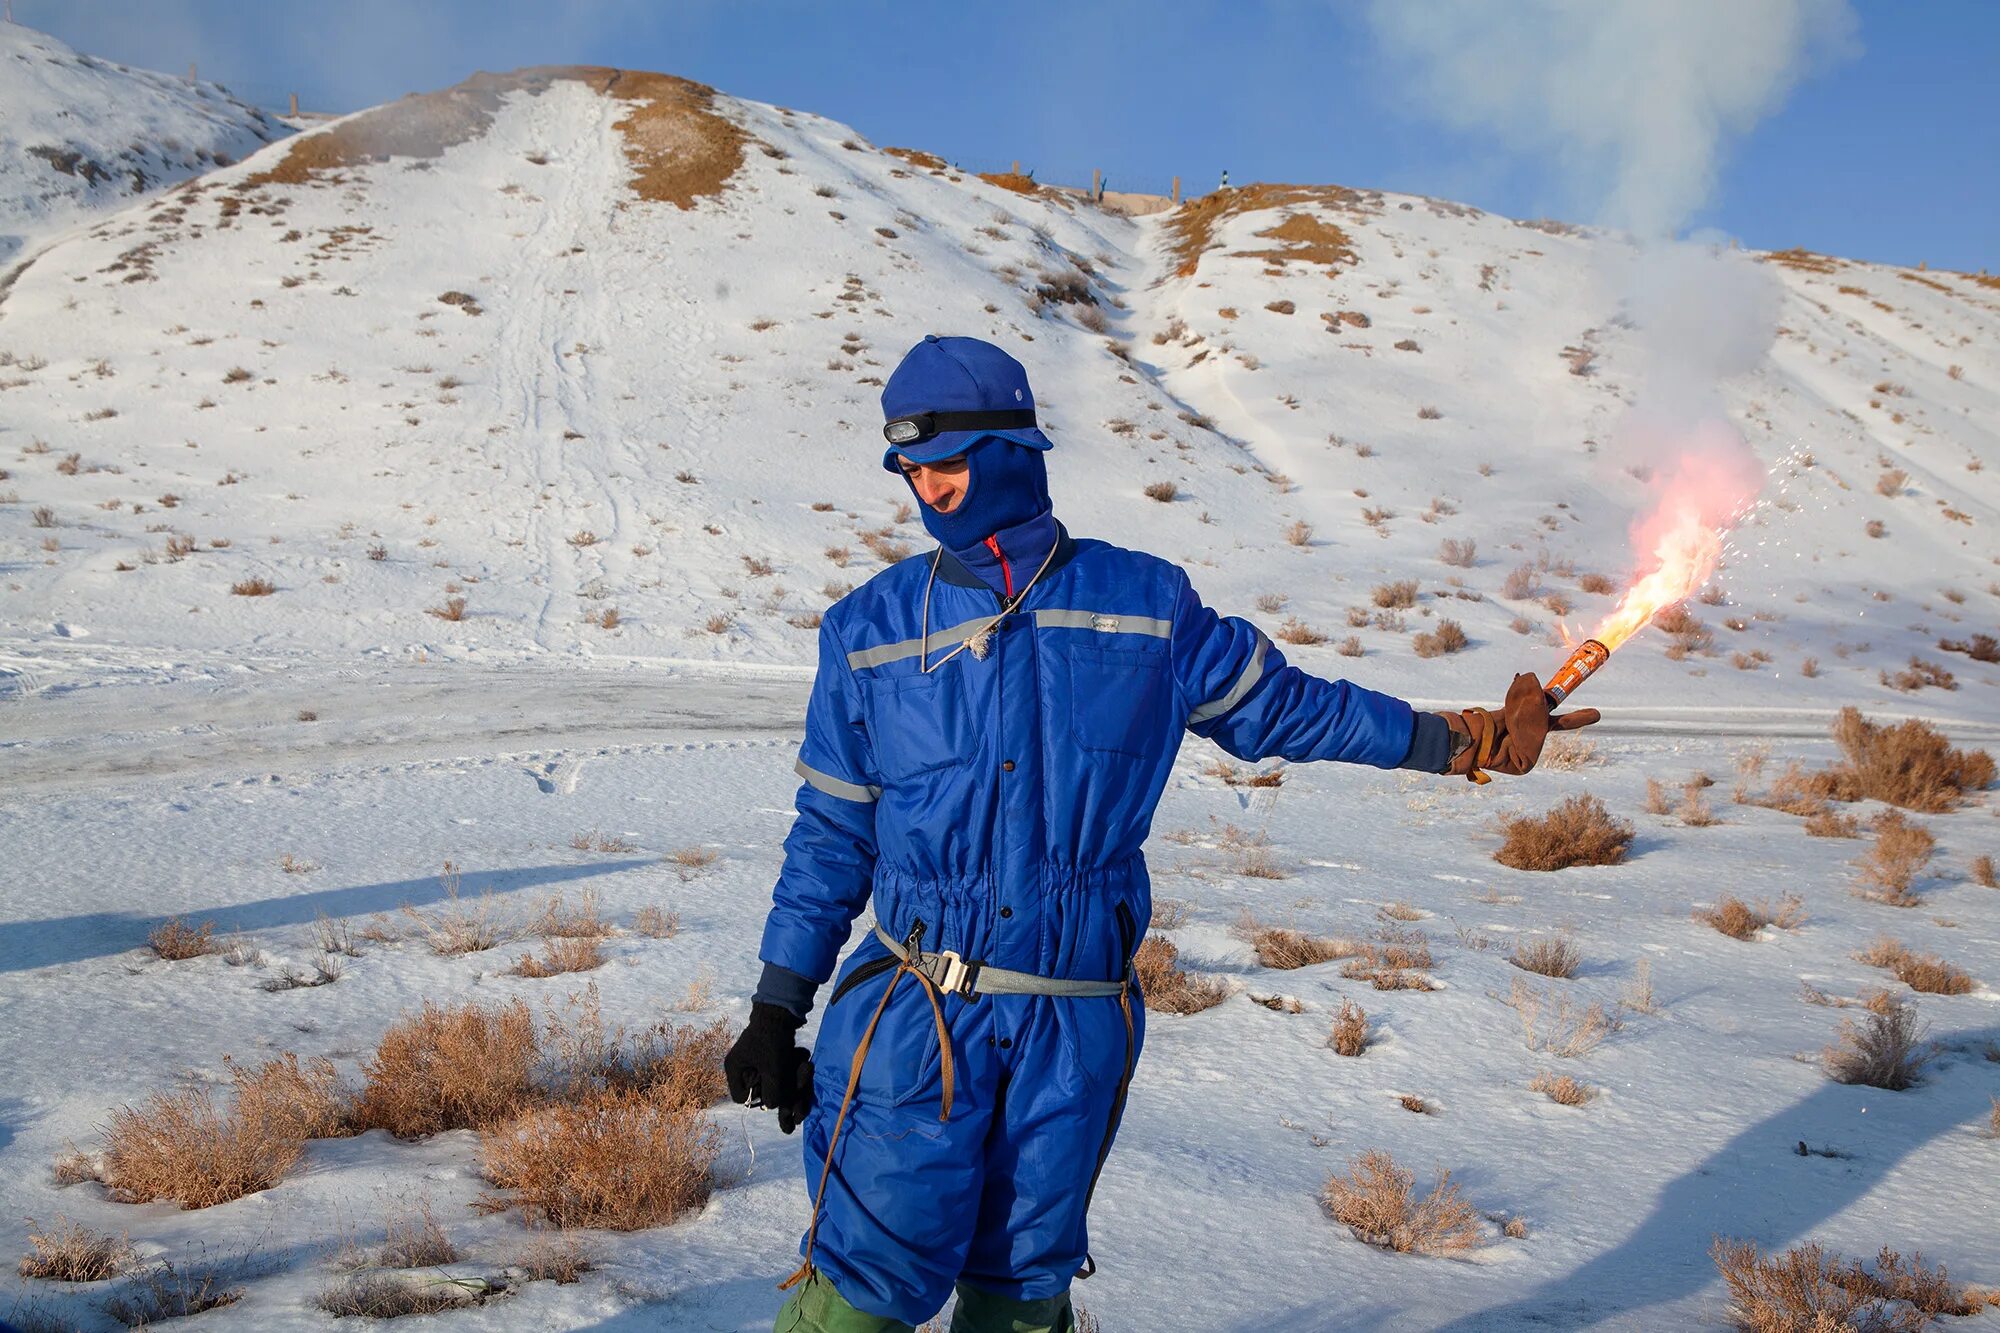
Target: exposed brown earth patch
{"x":917,"y":157}
{"x":1306,"y":238}
{"x":1013,"y":180}
{"x":680,"y":149}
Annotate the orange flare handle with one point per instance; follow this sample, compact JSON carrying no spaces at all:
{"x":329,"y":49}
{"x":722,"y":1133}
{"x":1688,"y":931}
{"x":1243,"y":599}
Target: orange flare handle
{"x":1582,"y":664}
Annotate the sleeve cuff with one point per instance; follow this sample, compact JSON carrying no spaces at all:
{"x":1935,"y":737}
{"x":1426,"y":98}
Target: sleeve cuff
{"x":1430,"y":744}
{"x":786,"y":989}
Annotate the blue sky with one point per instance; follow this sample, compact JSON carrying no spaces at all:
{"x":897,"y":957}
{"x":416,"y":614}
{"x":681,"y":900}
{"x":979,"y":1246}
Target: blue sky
{"x":1888,"y":153}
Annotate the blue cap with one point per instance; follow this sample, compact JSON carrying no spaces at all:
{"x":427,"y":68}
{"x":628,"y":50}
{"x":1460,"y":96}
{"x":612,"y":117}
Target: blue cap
{"x":942,"y":382}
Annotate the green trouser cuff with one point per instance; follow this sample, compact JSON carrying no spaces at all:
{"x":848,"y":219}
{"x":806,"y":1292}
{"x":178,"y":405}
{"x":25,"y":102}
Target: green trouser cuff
{"x":817,"y":1308}
{"x":983,"y":1312}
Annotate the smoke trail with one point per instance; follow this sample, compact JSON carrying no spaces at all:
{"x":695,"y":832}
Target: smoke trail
{"x":1632,"y":99}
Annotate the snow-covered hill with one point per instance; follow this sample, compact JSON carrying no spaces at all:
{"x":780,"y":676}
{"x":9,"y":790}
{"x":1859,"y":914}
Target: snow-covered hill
{"x":536,"y":422}
{"x":79,"y":135}
{"x":513,"y":342}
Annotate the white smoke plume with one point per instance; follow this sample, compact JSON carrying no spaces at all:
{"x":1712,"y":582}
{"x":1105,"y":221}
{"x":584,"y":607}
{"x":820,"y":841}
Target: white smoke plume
{"x":1633,"y":100}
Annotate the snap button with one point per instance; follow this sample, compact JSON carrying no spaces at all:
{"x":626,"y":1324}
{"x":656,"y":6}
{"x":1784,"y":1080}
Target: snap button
{"x":1006,"y":912}
{"x":1007,"y":765}
{"x":1006,"y":1043}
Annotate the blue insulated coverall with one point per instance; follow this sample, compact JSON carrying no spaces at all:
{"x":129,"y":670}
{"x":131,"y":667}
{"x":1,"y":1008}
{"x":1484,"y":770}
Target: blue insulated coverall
{"x":1002,"y":801}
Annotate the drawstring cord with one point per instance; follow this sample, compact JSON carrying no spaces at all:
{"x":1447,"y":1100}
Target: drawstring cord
{"x":977,"y":641}
{"x":931,"y":993}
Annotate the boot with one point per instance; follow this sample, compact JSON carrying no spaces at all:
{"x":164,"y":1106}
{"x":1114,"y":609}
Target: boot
{"x":817,"y":1308}
{"x":983,"y":1312}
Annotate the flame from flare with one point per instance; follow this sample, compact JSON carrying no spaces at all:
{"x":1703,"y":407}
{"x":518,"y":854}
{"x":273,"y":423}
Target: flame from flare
{"x":1698,"y":499}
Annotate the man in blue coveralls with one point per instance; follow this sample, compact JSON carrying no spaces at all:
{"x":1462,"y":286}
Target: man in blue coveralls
{"x":989,"y":732}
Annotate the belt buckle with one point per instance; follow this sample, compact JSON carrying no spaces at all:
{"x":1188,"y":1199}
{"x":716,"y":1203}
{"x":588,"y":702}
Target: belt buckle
{"x":956,"y":975}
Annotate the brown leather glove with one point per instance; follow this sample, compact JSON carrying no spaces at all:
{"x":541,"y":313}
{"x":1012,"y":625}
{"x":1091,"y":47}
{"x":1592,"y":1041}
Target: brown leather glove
{"x":1510,"y":740}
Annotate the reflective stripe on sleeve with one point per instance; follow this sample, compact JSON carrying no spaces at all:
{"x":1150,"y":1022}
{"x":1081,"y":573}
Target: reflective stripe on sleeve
{"x":1244,"y":684}
{"x":833,"y":786}
{"x":1105,"y":622}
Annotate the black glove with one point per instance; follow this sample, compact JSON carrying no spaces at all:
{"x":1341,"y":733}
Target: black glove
{"x":766,"y":1067}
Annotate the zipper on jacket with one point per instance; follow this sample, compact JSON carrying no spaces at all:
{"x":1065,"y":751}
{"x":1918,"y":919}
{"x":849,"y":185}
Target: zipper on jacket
{"x":1006,"y":570}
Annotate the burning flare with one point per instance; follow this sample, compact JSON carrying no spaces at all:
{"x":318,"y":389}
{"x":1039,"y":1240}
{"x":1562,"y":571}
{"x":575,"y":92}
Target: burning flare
{"x":1680,"y":538}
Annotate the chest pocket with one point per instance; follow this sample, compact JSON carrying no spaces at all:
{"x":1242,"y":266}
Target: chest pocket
{"x":919,"y":723}
{"x":1120,"y":699}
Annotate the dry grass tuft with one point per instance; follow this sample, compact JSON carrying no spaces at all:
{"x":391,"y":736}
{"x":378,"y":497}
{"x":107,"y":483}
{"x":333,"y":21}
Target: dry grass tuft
{"x":1349,"y":1035}
{"x":254,"y":587}
{"x":1376,"y":1200}
{"x":1831,"y":824}
{"x":1287,"y":949}
{"x":1808,"y":1290}
{"x":559,"y":1259}
{"x":562,"y":954}
{"x":560,"y":921}
{"x":619,"y":1158}
{"x":1165,"y":987}
{"x":449,"y":1068}
{"x":1557,"y":957}
{"x":1561,"y":1089}
{"x":1920,"y":972}
{"x":1568,"y":753}
{"x":1982,"y":872}
{"x":1881,"y":1050}
{"x":165,"y":1291}
{"x":416,"y":1240}
{"x":457,"y":926}
{"x":1578,"y":832}
{"x":392,"y":1296}
{"x":1400,"y":595}
{"x":1889,"y":867}
{"x":1740,"y":921}
{"x":68,"y":1252}
{"x":1560,"y":1028}
{"x":657,"y":923}
{"x":176,"y":941}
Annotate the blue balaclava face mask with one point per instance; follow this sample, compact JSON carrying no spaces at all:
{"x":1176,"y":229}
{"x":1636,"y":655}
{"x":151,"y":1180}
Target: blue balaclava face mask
{"x":1007,"y":484}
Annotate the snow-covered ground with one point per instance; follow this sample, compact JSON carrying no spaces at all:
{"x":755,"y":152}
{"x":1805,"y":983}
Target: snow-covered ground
{"x":671,"y":412}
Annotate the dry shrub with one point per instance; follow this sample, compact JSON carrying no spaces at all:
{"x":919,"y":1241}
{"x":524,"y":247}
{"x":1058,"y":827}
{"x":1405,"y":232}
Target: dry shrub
{"x":449,"y":1068}
{"x":1349,"y":1035}
{"x":1557,"y":957}
{"x":68,"y":1252}
{"x":1694,"y":810}
{"x":1908,"y":764}
{"x":1578,"y":832}
{"x":1567,"y":753}
{"x":1561,"y":1089}
{"x":621,"y":1159}
{"x":1400,"y":595}
{"x":291,"y":1098}
{"x":453,"y":609}
{"x":179,"y":1146}
{"x":1740,"y":921}
{"x":1165,"y":987}
{"x":560,"y":921}
{"x":1890,"y":866}
{"x":693,"y":858}
{"x":1393,"y":961}
{"x":559,"y":1259}
{"x":1830,"y":824}
{"x":1286,"y":949}
{"x":1982,"y":872}
{"x":1163,"y":491}
{"x":1461,"y":553}
{"x":1560,"y":1028}
{"x":1808,"y":1290}
{"x":565,"y":953}
{"x":1376,"y":1200}
{"x":175,"y":940}
{"x":1920,"y":674}
{"x":1656,"y":798}
{"x":1638,"y":993}
{"x":254,"y":587}
{"x":657,"y":923}
{"x":1297,"y":631}
{"x":1881,"y":1050}
{"x":457,"y":926}
{"x":1448,"y":637}
{"x":1920,"y":972}
{"x":166,"y":1291}
{"x":1982,"y":648}
{"x":416,"y":1240}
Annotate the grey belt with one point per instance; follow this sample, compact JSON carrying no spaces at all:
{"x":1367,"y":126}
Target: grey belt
{"x":954,"y":975}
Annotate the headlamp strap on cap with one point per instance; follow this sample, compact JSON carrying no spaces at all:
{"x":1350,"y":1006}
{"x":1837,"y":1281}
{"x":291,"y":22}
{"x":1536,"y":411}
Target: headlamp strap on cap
{"x":924,"y":425}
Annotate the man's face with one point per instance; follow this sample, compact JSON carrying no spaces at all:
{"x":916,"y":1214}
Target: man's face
{"x":940,"y":485}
